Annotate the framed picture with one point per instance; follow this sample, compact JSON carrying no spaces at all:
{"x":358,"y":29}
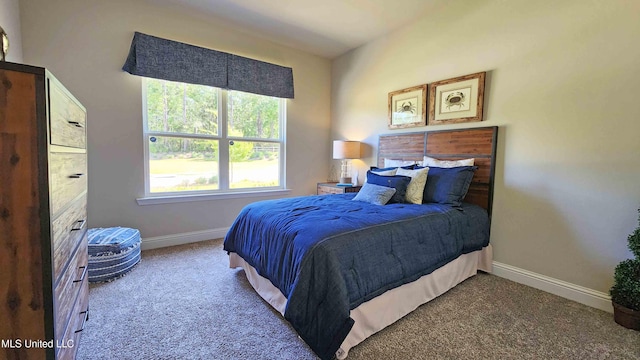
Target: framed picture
{"x":456,"y":100}
{"x":408,"y":107}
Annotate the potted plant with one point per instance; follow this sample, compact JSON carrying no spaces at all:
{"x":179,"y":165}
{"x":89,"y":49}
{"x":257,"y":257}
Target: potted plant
{"x":625,"y":293}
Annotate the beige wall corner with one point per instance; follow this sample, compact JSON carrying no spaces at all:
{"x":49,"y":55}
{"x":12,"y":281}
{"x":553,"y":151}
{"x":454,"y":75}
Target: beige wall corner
{"x":562,"y":84}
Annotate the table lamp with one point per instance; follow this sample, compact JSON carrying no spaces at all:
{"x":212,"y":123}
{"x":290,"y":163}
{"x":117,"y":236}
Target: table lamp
{"x":345,"y":150}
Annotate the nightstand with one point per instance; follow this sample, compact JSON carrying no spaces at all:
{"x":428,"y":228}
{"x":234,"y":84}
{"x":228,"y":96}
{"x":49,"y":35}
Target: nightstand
{"x":332,"y":188}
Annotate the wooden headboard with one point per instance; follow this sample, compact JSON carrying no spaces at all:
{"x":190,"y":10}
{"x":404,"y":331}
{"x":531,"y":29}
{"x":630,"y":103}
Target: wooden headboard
{"x":478,"y":143}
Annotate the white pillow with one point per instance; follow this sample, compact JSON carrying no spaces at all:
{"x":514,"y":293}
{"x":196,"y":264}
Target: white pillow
{"x":397,"y":163}
{"x":429,"y":161}
{"x":415,"y":189}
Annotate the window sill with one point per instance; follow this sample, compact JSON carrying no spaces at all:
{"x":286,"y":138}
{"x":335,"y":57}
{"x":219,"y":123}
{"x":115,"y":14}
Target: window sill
{"x":169,"y":199}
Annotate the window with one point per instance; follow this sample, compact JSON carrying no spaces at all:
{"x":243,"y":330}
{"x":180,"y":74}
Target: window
{"x":201,"y":139}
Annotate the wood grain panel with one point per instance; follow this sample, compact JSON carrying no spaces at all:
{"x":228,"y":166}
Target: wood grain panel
{"x":67,"y":117}
{"x":30,"y":306}
{"x":67,"y":230}
{"x":330,"y":188}
{"x":68,"y":178}
{"x":483,"y":174}
{"x":21,"y":251}
{"x":401,"y":147}
{"x":327,"y":190}
{"x":473,"y":141}
{"x":69,"y":285}
{"x":477,"y":143}
{"x":79,"y":315}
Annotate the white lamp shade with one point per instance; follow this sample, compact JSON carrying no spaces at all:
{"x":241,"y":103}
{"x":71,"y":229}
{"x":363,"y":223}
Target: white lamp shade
{"x":346,"y":149}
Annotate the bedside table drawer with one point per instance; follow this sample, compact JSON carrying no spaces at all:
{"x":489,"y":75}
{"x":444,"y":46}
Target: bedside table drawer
{"x":332,"y":188}
{"x":326,"y":190}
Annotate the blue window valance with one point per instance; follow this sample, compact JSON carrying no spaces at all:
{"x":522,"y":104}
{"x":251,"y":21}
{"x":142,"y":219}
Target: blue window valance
{"x":159,"y":58}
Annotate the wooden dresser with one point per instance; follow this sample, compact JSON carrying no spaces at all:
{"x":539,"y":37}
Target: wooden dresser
{"x":43,"y":213}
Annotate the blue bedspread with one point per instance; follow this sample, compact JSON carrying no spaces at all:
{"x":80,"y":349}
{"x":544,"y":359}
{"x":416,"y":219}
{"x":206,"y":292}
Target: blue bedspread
{"x":329,"y":254}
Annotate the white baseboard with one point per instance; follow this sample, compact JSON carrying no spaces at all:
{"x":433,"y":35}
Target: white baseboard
{"x":583,"y":295}
{"x":184,"y":238}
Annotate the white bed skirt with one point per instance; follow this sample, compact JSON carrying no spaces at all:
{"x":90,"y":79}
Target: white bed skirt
{"x":382,"y":311}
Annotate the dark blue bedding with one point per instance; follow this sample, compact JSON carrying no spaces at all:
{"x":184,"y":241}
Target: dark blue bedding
{"x":329,"y":254}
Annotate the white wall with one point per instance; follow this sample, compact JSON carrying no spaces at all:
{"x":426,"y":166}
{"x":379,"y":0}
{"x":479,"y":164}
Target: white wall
{"x":85,"y":43}
{"x":10,"y":22}
{"x":562,"y":85}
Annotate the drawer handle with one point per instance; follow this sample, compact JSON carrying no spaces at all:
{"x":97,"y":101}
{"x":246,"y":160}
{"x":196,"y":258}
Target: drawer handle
{"x":75,"y":123}
{"x":84,"y":273}
{"x":79,"y":225}
{"x":84,"y":320}
{"x":76,"y":176}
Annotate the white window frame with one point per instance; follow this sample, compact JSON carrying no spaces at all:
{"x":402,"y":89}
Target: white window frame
{"x":223,"y":139}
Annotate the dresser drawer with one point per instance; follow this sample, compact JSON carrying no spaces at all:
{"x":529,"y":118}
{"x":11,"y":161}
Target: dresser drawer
{"x":68,"y":344}
{"x":67,"y":230}
{"x":71,"y":282}
{"x":67,"y":118}
{"x":68,"y":178}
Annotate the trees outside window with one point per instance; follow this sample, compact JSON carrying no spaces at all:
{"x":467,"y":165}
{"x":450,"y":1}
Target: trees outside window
{"x":204,"y":139}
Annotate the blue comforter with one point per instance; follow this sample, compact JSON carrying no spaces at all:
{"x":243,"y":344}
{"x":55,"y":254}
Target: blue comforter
{"x":329,"y":254}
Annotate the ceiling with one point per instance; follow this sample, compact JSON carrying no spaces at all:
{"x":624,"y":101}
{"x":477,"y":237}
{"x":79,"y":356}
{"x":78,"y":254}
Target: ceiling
{"x":328,"y":28}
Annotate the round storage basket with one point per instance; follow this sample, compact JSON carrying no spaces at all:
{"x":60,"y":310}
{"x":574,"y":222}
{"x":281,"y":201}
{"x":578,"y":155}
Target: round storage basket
{"x":113,"y":252}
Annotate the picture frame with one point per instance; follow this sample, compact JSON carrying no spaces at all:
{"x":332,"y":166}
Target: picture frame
{"x":408,"y":107}
{"x":457,"y":100}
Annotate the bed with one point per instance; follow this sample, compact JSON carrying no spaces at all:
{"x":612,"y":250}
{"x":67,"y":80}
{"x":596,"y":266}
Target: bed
{"x":341,"y":270}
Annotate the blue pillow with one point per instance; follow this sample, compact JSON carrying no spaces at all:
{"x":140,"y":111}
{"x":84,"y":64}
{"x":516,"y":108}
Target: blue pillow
{"x":448,"y":186}
{"x":397,"y":182}
{"x":374,"y":194}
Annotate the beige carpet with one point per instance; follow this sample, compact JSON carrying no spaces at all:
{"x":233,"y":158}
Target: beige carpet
{"x":185,"y":303}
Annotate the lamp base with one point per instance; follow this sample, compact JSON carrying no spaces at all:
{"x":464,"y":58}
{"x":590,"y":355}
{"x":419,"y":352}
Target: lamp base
{"x":345,"y":181}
